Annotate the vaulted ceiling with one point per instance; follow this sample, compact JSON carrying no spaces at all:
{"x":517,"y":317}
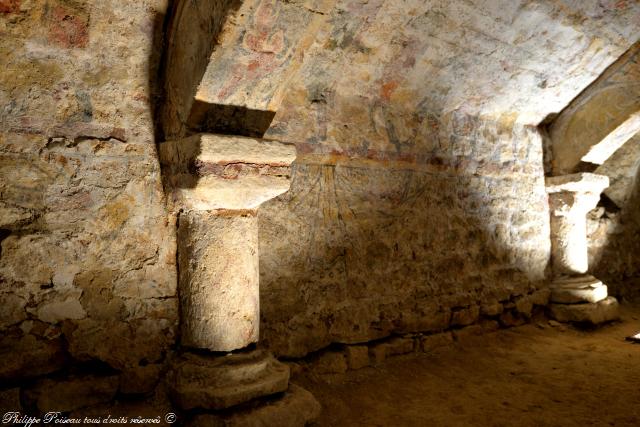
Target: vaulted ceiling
{"x":390,"y":64}
{"x":382,"y":73}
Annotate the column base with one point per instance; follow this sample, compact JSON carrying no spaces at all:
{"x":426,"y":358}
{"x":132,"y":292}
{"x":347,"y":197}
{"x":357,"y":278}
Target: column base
{"x":597,"y":313}
{"x":576,"y":290}
{"x":295,"y":408}
{"x":218,"y":382}
{"x":241,"y":389}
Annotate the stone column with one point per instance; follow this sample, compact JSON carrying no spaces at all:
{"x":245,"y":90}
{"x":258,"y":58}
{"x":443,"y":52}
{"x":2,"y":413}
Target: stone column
{"x":217,"y":182}
{"x":571,"y":197}
{"x":576,"y":296}
{"x":219,"y":294}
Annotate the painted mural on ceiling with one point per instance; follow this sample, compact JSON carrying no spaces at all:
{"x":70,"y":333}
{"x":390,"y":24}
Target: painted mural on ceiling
{"x":388,"y":75}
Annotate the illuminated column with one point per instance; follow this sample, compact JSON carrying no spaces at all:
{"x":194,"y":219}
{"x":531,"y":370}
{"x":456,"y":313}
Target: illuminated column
{"x":571,"y":197}
{"x":218,"y":279}
{"x":575,"y":295}
{"x":217,"y":182}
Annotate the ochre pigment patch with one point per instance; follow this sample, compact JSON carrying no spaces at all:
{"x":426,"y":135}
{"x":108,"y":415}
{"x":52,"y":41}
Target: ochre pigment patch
{"x":68,"y":25}
{"x":9,"y":6}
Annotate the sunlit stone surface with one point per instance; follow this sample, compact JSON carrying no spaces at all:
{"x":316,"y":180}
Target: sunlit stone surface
{"x":570,"y":198}
{"x":622,"y":168}
{"x":578,"y":290}
{"x":209,"y":171}
{"x":601,"y":119}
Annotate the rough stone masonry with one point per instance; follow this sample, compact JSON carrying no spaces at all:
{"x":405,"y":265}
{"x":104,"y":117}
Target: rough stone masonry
{"x":417,"y":200}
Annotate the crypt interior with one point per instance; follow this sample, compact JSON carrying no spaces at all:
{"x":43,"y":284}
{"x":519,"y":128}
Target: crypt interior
{"x":320,"y":212}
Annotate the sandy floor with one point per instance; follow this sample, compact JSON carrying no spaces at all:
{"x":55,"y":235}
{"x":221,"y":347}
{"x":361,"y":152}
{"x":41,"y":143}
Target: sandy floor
{"x":536,"y":375}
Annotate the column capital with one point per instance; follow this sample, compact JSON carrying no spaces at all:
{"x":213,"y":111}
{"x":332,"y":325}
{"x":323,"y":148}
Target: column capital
{"x":575,"y":194}
{"x":577,"y":183}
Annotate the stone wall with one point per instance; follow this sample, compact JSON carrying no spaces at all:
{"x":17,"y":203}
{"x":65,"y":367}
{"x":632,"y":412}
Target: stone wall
{"x":363,"y":247}
{"x":87,"y":263}
{"x":418,"y":207}
{"x":418,"y":195}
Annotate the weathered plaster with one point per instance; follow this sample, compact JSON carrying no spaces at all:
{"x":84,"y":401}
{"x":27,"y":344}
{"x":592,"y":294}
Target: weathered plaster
{"x":88,"y":257}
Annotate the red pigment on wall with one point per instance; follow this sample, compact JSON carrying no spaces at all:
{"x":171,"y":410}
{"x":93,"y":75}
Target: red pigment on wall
{"x":68,"y":30}
{"x":9,"y":6}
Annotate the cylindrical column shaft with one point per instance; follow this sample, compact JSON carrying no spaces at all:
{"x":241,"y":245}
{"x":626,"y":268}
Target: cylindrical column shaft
{"x":569,"y":245}
{"x":571,"y":197}
{"x":218,"y":279}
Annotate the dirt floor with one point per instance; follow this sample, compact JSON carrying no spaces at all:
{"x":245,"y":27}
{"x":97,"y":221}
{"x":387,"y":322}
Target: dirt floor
{"x":535,"y":375}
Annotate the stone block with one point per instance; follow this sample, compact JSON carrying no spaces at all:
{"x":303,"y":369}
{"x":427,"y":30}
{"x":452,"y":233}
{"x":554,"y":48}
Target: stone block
{"x":491,"y":308}
{"x":330,"y":362}
{"x":540,"y":296}
{"x":465,"y":316}
{"x":296,"y":408}
{"x":377,"y":353}
{"x":484,"y":327}
{"x":428,"y":343}
{"x":295,"y":368}
{"x":357,"y":356}
{"x":510,"y":318}
{"x":489,"y":325}
{"x":210,"y":382}
{"x":72,"y":393}
{"x":61,"y":309}
{"x":209,"y":171}
{"x":399,"y":345}
{"x":13,"y":309}
{"x":102,"y":340}
{"x":420,"y":319}
{"x":466,"y":332}
{"x":594,"y":313}
{"x":524,"y":306}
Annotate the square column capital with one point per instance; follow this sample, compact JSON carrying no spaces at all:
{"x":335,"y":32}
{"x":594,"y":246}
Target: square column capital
{"x":575,"y":194}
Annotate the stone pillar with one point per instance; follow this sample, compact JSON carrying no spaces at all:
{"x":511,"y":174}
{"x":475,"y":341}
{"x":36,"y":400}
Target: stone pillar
{"x":571,"y":197}
{"x":218,"y":279}
{"x":217,"y":182}
{"x":575,"y":295}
